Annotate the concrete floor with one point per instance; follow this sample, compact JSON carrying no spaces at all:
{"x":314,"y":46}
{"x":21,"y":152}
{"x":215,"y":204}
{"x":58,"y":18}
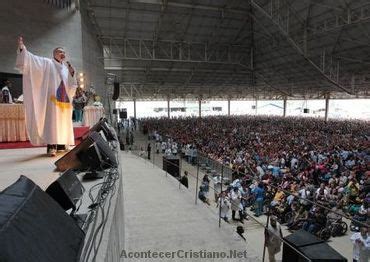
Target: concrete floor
{"x":160,"y":216}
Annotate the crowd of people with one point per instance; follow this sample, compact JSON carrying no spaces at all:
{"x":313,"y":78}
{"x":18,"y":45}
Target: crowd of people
{"x":307,"y":172}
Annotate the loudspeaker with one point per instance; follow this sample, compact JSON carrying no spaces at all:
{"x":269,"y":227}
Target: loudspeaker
{"x":123,"y":113}
{"x":310,"y":249}
{"x":66,"y":190}
{"x":35,"y":228}
{"x":91,"y":154}
{"x":306,"y":110}
{"x":116,"y":90}
{"x":115,"y":111}
{"x":70,"y":160}
{"x":108,"y":130}
{"x":171,"y":165}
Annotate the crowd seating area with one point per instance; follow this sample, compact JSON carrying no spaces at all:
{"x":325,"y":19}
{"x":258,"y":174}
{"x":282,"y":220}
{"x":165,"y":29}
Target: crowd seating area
{"x":311,"y":173}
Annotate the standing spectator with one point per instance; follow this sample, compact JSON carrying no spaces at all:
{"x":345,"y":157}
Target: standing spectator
{"x":217,"y":187}
{"x":131,"y":137}
{"x":205,"y":182}
{"x":79,"y":101}
{"x":259,"y":195}
{"x":273,"y":236}
{"x":149,"y":149}
{"x":236,"y":204}
{"x":224,"y":204}
{"x":184,"y":179}
{"x":202,"y":195}
{"x":5,"y":91}
{"x":361,"y":245}
{"x":157,"y":146}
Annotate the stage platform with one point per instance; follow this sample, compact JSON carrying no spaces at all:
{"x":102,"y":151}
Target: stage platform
{"x":148,"y":210}
{"x":79,"y":132}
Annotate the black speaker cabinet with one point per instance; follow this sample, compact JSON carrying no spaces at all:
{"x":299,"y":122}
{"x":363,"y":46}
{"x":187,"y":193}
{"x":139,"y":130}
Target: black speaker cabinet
{"x":108,"y":156}
{"x":35,"y":228}
{"x":66,"y":190}
{"x":310,"y":249}
{"x":116,"y":90}
{"x":92,"y":153}
{"x":123,"y":113}
{"x":171,"y":164}
{"x":306,"y":110}
{"x":71,"y":160}
{"x":106,"y":128}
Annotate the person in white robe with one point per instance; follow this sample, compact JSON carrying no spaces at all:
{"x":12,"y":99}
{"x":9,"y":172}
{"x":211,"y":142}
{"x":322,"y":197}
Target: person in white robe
{"x":223,"y":204}
{"x":273,"y":238}
{"x":48,"y":89}
{"x":235,"y":200}
{"x":361,"y":245}
{"x":6,"y":94}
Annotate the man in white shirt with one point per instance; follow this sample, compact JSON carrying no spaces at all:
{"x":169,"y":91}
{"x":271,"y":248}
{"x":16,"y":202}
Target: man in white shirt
{"x":323,"y":189}
{"x":304,"y":193}
{"x":361,"y":245}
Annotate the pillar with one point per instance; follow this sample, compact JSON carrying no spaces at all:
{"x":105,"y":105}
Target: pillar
{"x":135,"y":108}
{"x":200,"y":107}
{"x":256,"y":107}
{"x":168,"y":107}
{"x":327,"y":107}
{"x":228,"y":106}
{"x":284,"y":113}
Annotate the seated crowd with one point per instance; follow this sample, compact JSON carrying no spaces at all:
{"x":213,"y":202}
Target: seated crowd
{"x":283,"y":164}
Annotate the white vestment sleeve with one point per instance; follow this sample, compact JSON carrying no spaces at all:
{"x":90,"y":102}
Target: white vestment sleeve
{"x":20,"y":61}
{"x":35,"y":91}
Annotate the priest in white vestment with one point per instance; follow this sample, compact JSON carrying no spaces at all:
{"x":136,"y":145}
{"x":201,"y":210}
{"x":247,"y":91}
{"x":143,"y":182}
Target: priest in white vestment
{"x":48,"y":89}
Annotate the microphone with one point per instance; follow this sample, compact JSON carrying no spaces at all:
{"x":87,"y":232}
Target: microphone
{"x":68,"y":63}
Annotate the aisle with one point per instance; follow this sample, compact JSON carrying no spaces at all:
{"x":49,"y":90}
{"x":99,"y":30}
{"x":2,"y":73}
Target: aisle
{"x":161,"y":217}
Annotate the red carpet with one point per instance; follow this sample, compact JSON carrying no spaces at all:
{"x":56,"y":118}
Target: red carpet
{"x":78,"y":132}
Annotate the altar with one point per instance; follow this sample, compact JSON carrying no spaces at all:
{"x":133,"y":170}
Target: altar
{"x":12,"y":123}
{"x":92,"y":115}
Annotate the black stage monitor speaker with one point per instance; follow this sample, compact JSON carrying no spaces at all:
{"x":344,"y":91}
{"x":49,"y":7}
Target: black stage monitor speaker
{"x":123,"y":113}
{"x":171,"y":165}
{"x":66,"y":190}
{"x":107,"y":154}
{"x":115,"y":91}
{"x":34,"y":228}
{"x":70,"y":160}
{"x":306,"y":110}
{"x":108,"y":130}
{"x":84,"y":155}
{"x":310,"y":249}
